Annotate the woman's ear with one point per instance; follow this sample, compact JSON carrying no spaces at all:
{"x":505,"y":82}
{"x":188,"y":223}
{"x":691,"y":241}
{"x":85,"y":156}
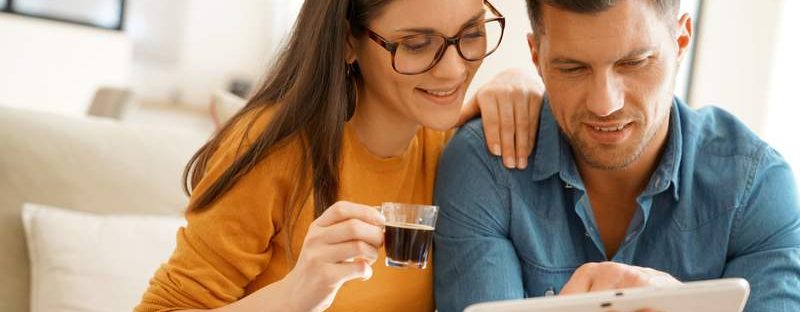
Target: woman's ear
{"x":350,"y":48}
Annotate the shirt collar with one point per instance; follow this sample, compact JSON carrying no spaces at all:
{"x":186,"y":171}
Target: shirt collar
{"x":553,"y":154}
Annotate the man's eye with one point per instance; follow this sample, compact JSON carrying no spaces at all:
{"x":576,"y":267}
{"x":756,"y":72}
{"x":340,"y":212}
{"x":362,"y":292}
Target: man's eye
{"x":634,"y":63}
{"x":571,"y":70}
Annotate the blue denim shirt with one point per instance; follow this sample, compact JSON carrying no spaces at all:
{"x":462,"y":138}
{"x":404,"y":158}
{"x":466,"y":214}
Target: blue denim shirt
{"x":721,"y":203}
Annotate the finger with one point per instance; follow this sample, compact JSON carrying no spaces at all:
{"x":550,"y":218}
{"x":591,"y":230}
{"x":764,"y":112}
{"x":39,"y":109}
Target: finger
{"x":658,"y":278}
{"x":506,"y":112}
{"x":607,"y":277}
{"x":522,"y":135}
{"x":491,"y":123}
{"x":342,"y":210}
{"x":354,"y":270}
{"x":634,"y":277}
{"x":579,"y":282}
{"x":348,"y":252}
{"x":534,"y":110}
{"x":469,"y":111}
{"x":354,"y":230}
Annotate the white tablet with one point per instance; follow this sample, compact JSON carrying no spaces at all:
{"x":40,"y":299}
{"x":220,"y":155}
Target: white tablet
{"x":722,"y":295}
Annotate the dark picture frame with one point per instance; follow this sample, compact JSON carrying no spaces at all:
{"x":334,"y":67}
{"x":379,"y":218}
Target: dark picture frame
{"x":118,"y":25}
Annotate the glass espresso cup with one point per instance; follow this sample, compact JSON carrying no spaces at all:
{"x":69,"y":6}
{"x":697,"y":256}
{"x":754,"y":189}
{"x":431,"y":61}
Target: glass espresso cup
{"x":408,"y":234}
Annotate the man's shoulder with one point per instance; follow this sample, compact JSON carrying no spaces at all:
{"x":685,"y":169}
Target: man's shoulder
{"x":467,"y":149}
{"x":720,"y":150}
{"x":472,"y":129}
{"x":470,"y":140}
{"x":713,"y":131}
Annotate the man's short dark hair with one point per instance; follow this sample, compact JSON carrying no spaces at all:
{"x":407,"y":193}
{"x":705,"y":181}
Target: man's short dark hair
{"x":668,"y":9}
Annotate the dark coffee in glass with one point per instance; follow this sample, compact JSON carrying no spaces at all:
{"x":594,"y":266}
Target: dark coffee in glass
{"x":408,"y":244}
{"x":408,"y":234}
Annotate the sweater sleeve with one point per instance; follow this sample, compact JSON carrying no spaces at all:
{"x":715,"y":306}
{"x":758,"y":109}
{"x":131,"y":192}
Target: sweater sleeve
{"x":225,"y":246}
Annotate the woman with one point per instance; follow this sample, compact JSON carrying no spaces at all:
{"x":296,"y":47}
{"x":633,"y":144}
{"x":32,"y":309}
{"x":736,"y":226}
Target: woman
{"x":282,"y":196}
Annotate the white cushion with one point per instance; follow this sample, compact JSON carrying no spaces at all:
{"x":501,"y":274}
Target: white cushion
{"x":89,"y":262}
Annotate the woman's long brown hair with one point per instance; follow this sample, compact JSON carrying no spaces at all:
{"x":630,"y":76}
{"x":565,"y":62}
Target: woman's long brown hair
{"x":314,"y":90}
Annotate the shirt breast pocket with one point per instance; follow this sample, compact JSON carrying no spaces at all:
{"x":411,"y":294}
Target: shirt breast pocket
{"x":544,"y":281}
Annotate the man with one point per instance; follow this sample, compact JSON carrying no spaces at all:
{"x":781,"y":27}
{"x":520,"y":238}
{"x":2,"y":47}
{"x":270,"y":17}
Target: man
{"x":627,"y":186}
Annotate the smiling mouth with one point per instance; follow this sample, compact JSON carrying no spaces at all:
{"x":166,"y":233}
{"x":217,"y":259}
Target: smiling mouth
{"x":439,"y":93}
{"x":610,"y":129}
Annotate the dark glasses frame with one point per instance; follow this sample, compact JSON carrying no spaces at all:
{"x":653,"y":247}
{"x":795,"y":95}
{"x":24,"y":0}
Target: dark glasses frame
{"x":392,"y":46}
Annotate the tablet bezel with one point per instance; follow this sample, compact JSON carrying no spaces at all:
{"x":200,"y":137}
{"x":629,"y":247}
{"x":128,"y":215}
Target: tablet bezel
{"x":724,"y":295}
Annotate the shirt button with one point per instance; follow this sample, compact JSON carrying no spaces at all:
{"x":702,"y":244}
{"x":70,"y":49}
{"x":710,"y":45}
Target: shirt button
{"x":549,"y":292}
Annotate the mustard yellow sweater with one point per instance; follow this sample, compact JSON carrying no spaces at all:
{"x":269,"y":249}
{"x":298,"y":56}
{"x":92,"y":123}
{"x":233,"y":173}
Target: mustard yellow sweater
{"x":238,"y":245}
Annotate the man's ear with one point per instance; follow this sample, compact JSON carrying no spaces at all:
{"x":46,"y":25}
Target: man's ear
{"x":684,"y":35}
{"x":534,"y":47}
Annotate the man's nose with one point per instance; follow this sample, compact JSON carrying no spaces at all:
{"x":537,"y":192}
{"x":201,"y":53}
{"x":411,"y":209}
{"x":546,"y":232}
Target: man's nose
{"x":605,"y":95}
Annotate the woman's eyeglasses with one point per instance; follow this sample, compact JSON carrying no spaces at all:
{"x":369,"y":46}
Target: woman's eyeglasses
{"x":416,"y":54}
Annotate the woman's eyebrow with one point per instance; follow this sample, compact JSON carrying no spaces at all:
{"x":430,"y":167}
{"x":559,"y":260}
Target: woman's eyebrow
{"x":430,"y":31}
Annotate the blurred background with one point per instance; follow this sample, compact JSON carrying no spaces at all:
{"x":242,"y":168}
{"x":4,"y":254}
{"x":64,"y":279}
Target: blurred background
{"x":176,"y":62}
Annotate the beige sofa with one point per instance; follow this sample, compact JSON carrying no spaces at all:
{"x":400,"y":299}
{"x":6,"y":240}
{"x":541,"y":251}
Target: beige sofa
{"x":86,"y":164}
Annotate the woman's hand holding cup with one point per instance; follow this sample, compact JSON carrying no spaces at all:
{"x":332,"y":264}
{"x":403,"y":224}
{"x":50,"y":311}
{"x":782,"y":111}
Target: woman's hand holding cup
{"x":340,"y":246}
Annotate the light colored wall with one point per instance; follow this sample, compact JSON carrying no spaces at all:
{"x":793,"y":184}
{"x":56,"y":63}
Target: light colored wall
{"x":226,"y":40}
{"x":514,"y":51}
{"x":736,"y":48}
{"x":57,"y":67}
{"x":781,"y":126}
{"x":200,"y":46}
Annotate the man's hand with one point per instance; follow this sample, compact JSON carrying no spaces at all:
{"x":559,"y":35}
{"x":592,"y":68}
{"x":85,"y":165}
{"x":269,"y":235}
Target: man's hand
{"x":601,"y":276}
